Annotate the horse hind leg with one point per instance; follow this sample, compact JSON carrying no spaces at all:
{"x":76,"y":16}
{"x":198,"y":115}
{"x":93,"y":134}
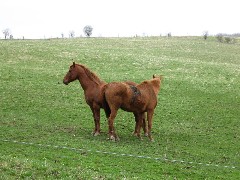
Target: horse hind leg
{"x":138,"y":125}
{"x":112,"y":134}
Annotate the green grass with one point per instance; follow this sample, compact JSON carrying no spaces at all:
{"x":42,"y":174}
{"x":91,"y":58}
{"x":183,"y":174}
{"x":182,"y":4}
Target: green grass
{"x":196,"y":119}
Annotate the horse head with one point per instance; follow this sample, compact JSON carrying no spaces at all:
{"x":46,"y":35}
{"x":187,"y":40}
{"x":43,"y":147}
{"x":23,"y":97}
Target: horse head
{"x":156,"y":83}
{"x":71,"y":75}
{"x":157,"y":76}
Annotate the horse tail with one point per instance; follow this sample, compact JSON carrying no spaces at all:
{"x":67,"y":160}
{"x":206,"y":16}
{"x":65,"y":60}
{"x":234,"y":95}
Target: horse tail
{"x":105,"y":103}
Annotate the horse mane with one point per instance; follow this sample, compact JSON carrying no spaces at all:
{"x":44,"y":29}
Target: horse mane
{"x":91,"y":75}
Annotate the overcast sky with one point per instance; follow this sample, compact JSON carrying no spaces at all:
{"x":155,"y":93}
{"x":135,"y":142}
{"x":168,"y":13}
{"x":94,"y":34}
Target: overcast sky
{"x":51,"y":18}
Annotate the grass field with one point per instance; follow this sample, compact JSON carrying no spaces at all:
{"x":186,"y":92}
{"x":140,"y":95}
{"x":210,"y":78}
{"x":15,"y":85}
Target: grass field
{"x":45,"y":126}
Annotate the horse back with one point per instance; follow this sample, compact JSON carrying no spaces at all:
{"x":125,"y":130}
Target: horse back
{"x":129,"y":97}
{"x":118,"y":95}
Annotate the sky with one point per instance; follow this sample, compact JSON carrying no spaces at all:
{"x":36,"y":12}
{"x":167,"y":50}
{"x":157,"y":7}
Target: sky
{"x":123,"y":18}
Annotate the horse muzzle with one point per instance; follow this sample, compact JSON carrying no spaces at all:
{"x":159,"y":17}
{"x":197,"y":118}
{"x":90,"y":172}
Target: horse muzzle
{"x":65,"y":82}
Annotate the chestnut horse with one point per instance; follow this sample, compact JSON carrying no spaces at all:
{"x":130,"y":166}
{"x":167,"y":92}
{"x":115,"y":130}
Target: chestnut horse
{"x":93,"y":88}
{"x":137,"y":99}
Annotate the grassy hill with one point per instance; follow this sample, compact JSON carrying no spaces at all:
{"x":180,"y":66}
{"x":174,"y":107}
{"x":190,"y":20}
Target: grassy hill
{"x":45,"y":126}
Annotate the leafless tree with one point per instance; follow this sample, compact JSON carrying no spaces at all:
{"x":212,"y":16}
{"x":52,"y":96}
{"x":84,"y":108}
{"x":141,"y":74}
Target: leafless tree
{"x":71,"y":34}
{"x":205,"y":35}
{"x":6,"y":32}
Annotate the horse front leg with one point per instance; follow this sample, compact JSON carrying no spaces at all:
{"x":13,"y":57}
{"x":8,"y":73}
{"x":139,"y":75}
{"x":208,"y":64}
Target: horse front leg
{"x":149,"y":119}
{"x":138,"y":126}
{"x":96,"y":117}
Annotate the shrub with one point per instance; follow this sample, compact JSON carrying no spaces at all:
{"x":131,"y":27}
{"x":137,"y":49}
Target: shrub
{"x":230,"y":39}
{"x":227,"y":39}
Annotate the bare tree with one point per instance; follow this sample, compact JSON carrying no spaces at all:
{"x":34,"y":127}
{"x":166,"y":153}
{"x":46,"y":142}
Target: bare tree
{"x":88,"y":30}
{"x":205,"y":35}
{"x":6,"y":32}
{"x":71,"y":34}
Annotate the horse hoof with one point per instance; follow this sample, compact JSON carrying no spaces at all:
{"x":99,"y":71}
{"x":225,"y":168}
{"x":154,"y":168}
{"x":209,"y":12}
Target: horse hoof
{"x":96,"y":133}
{"x":152,"y":140}
{"x":134,"y":134}
{"x":146,"y":134}
{"x":113,"y":138}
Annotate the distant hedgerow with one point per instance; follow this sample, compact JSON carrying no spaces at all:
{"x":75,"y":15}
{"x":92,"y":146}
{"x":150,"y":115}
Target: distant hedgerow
{"x":219,"y":37}
{"x":227,"y":39}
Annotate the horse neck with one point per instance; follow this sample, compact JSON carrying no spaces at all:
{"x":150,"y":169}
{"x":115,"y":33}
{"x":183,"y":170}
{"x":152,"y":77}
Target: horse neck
{"x":86,"y":81}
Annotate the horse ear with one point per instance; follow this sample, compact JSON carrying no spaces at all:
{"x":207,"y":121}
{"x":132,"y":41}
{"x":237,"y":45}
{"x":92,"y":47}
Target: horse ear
{"x":73,"y":64}
{"x":154,"y":76}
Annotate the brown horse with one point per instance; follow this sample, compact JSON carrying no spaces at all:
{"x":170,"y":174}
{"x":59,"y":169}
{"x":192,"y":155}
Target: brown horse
{"x":137,"y":99}
{"x":93,"y":88}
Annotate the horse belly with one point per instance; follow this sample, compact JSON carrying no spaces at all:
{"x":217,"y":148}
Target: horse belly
{"x":133,"y":107}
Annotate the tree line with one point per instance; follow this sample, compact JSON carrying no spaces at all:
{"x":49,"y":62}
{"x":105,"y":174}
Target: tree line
{"x":87,"y":31}
{"x":221,"y":37}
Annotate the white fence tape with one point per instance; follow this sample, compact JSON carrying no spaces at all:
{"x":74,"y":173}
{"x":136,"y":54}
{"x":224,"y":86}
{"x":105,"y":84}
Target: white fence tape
{"x":119,"y":154}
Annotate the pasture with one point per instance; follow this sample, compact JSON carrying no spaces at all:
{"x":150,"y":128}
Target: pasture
{"x":45,"y":126}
